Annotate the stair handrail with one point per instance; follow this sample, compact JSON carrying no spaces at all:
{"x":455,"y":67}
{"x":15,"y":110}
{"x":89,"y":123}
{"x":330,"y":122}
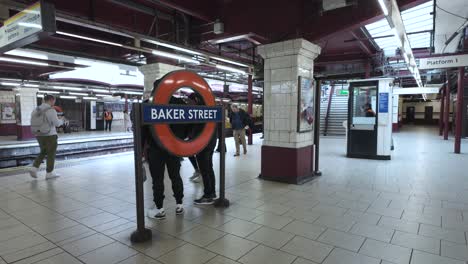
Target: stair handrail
{"x":327,"y":115}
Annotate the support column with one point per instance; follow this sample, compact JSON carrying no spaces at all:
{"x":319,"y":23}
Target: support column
{"x":458,"y":122}
{"x":250,"y":107}
{"x":447,"y":107}
{"x":368,"y":70}
{"x":287,"y":155}
{"x":395,"y":107}
{"x":154,"y":71}
{"x":441,"y":112}
{"x":26,"y":99}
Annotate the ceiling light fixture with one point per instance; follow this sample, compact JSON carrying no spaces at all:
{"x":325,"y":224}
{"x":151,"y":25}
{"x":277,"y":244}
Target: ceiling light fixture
{"x":24,"y":61}
{"x":89,"y":98}
{"x":231,"y":69}
{"x":173,"y":56}
{"x":230,"y":61}
{"x":88,"y":38}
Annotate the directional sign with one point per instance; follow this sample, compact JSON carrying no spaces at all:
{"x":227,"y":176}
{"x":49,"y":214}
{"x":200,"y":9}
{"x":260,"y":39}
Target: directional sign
{"x":444,"y":62}
{"x":173,"y":114}
{"x":31,"y":24}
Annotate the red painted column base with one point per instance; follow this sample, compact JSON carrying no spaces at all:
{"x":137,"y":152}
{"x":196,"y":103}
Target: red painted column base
{"x":395,"y":127}
{"x":289,"y":165}
{"x":24,"y":133}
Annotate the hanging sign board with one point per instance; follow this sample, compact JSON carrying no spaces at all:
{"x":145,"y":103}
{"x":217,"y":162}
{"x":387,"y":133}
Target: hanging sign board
{"x":28,"y":26}
{"x":444,"y":62}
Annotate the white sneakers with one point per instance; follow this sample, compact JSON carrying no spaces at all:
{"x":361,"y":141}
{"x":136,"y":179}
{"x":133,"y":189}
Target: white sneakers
{"x":49,"y":175}
{"x":196,"y":177}
{"x":33,"y":172}
{"x":160,"y":213}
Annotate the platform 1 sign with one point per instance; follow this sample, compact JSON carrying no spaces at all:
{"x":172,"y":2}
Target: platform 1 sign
{"x":172,"y":114}
{"x":444,"y":62}
{"x":27,"y":26}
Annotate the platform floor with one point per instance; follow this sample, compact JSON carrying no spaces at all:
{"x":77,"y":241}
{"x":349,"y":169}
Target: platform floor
{"x":413,"y":209}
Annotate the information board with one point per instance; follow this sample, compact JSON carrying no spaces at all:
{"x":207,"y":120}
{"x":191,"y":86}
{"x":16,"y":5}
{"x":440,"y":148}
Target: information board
{"x":383,"y":102}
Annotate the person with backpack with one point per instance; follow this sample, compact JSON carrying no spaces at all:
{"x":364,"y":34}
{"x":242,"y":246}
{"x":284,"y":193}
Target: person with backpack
{"x":108,"y":117}
{"x":240,"y":121}
{"x":44,"y":121}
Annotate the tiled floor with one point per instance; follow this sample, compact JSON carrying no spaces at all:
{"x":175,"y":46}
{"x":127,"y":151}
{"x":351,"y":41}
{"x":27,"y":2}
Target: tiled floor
{"x":411,"y":210}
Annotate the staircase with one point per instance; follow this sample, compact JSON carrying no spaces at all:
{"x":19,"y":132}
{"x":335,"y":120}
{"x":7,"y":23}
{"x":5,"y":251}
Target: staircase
{"x":338,"y":113}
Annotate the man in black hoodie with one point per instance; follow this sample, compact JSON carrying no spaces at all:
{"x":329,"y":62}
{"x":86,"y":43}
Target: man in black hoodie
{"x":158,"y":159}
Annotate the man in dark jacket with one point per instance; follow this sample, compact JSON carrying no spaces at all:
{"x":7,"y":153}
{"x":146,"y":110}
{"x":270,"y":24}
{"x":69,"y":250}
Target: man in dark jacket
{"x":240,"y":121}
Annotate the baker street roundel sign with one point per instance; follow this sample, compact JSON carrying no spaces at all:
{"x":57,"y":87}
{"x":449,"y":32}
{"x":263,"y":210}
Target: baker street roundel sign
{"x":160,"y":114}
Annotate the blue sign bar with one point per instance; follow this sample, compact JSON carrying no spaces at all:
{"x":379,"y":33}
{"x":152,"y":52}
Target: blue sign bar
{"x":173,"y":114}
{"x":383,"y":102}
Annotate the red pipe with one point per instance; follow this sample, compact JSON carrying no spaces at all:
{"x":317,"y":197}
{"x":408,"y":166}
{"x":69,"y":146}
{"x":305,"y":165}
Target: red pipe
{"x":458,"y":128}
{"x":441,"y":112}
{"x":250,"y":107}
{"x":447,"y":107}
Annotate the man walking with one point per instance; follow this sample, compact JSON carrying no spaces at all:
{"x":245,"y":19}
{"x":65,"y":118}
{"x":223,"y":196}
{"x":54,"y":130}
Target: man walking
{"x":239,"y":121}
{"x":44,"y":121}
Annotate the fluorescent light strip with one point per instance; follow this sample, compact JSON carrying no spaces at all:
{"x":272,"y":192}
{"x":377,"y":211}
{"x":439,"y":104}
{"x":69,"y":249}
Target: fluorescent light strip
{"x":67,"y":88}
{"x":174,"y":47}
{"x":90,"y":39}
{"x":174,"y":56}
{"x":68,"y":97}
{"x":129,"y":92}
{"x":100,"y":91}
{"x":89,"y":98}
{"x":31,"y":85}
{"x":40,"y":96}
{"x":48,"y":92}
{"x":226,"y":68}
{"x":82,"y":94}
{"x":24,"y":61}
{"x":9,"y":84}
{"x":229,"y":61}
{"x":383,"y":7}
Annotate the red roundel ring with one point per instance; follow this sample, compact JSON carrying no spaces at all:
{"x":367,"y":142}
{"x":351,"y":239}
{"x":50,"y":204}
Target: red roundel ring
{"x":168,"y":85}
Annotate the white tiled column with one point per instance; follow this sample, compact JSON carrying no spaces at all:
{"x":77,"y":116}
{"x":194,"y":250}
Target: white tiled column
{"x":27,"y":100}
{"x":154,"y":71}
{"x":284,"y":63}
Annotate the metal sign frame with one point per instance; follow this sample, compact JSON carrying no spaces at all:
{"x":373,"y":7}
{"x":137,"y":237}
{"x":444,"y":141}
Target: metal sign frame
{"x":142,"y":233}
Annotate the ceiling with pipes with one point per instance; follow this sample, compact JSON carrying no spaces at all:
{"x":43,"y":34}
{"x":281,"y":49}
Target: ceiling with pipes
{"x":209,"y":35}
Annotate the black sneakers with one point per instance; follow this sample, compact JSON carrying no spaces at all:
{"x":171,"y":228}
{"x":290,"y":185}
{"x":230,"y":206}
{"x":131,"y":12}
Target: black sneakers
{"x":204,"y":200}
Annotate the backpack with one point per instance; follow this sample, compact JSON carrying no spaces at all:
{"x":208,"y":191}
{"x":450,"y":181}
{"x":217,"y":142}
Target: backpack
{"x":39,"y":124}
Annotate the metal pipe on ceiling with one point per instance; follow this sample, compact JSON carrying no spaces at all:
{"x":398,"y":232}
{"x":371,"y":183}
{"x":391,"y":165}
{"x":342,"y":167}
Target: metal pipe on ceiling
{"x":143,"y":8}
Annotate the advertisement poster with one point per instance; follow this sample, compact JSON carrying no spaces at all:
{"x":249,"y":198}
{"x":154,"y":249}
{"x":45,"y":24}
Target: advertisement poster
{"x":8,"y":111}
{"x":305,"y":118}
